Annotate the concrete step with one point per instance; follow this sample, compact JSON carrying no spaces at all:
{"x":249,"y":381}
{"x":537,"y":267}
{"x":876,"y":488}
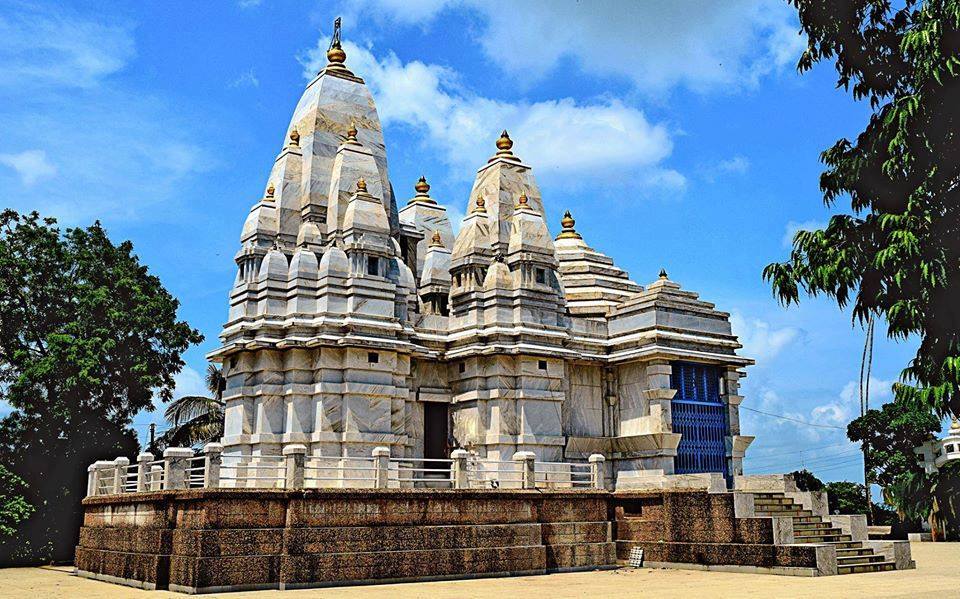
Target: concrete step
{"x":862,"y":568}
{"x":796,"y":513}
{"x":807,"y":520}
{"x":772,"y":501}
{"x":848,"y":560}
{"x":853,"y":551}
{"x":849,"y":545}
{"x":768,"y":494}
{"x":811,"y":526}
{"x":821,"y":538}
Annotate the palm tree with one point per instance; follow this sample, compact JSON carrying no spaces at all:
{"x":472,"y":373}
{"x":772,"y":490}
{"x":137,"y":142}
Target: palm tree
{"x":194,"y":419}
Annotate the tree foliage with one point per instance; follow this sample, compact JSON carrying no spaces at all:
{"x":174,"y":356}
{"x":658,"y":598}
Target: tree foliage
{"x":88,"y":338}
{"x":14,"y":507}
{"x":195,"y":419}
{"x":892,"y":433}
{"x":896,"y":255}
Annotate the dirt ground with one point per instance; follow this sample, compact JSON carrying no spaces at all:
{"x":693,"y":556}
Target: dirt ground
{"x":937,"y":575}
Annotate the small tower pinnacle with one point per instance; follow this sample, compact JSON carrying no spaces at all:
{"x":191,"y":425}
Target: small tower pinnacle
{"x":435,"y":241}
{"x":522,"y":202}
{"x":504,"y":148}
{"x":361,"y":185}
{"x":270,"y":190}
{"x":568,"y":232}
{"x":663,"y":273}
{"x":422,"y":188}
{"x":294,"y":138}
{"x":481,"y":205}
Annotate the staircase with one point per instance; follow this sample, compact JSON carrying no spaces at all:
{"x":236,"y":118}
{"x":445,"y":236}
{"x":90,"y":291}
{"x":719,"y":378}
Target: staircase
{"x":852,"y":556}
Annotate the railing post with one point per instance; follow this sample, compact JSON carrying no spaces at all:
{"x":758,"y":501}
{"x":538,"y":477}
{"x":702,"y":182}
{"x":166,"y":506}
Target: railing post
{"x":458,"y":470}
{"x":294,"y":457}
{"x":156,"y":477}
{"x":381,"y":459}
{"x":527,"y":462}
{"x":596,"y":471}
{"x":101,"y":467}
{"x":176,"y":461}
{"x":120,"y":474}
{"x":213,"y":453}
{"x":143,"y":471}
{"x":91,"y":480}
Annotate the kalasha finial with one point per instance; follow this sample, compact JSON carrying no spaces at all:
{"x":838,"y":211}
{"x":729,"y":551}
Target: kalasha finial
{"x":481,"y":205}
{"x":270,"y":190}
{"x":955,"y":426}
{"x":294,"y":138}
{"x":361,"y":185}
{"x":352,"y":132}
{"x":335,"y":54}
{"x":422,"y":187}
{"x":522,"y":202}
{"x":435,"y":241}
{"x":568,"y":231}
{"x":504,"y":143}
{"x":663,"y":273}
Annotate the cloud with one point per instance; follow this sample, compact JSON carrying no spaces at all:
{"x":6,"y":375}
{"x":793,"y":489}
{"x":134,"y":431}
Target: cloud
{"x":760,"y":341}
{"x":246,"y":79}
{"x":461,"y":126}
{"x":737,"y":164}
{"x":53,"y":46}
{"x":704,"y":45}
{"x":114,"y":151}
{"x":189,"y":382}
{"x":31,"y":165}
{"x":249,"y":3}
{"x":792,"y":227}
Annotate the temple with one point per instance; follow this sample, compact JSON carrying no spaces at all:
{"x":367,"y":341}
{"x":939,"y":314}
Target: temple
{"x":404,"y":402}
{"x":360,"y":320}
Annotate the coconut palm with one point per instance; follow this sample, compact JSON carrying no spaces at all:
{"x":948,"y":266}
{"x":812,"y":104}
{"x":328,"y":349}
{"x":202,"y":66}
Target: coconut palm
{"x":194,"y":419}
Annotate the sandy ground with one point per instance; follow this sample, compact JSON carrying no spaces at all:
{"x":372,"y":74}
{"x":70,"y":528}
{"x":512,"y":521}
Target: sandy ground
{"x":937,"y":575}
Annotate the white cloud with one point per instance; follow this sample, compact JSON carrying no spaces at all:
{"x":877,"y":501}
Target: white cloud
{"x":31,"y":165}
{"x":760,"y":341}
{"x":560,"y":138}
{"x":115,"y":152}
{"x":703,"y":45}
{"x":189,"y":382}
{"x":737,"y":164}
{"x":246,"y":79}
{"x":52,"y":46}
{"x":792,"y":227}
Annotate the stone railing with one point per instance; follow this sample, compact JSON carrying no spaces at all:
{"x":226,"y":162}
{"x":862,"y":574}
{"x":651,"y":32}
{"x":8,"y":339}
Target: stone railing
{"x":181,"y":468}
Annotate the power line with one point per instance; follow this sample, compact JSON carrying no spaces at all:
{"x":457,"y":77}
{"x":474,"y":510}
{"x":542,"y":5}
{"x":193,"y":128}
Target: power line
{"x":797,"y":420}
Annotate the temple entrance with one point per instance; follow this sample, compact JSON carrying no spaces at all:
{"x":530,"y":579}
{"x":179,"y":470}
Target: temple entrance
{"x":700,"y":415}
{"x":435,"y":430}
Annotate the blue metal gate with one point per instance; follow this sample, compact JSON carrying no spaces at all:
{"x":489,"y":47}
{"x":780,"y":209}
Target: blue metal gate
{"x":701,"y":417}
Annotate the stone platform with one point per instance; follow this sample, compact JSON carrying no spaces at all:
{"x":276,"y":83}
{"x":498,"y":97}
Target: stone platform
{"x":222,"y":540}
{"x":211,"y":540}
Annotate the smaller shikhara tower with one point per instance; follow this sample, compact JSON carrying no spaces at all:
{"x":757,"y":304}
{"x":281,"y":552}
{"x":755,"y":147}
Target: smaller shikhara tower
{"x":354,"y":324}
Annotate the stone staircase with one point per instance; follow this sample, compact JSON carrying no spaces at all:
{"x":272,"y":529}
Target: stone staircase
{"x":852,"y":556}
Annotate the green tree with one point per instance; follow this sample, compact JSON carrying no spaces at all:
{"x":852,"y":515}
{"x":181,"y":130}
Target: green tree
{"x":891,"y":433}
{"x":194,"y":419}
{"x":896,"y":255}
{"x":88,"y":338}
{"x":806,"y":481}
{"x":946,"y":491}
{"x":13,"y":505}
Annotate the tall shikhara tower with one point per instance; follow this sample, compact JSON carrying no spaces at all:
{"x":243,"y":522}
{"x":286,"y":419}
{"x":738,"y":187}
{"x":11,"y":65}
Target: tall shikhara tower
{"x":354,"y":324}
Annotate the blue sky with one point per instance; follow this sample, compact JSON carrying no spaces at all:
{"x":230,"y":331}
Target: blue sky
{"x":678,"y":134}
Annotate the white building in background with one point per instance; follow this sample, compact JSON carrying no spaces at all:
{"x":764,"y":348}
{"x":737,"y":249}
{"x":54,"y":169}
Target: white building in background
{"x":356,"y":323}
{"x":935,"y":453}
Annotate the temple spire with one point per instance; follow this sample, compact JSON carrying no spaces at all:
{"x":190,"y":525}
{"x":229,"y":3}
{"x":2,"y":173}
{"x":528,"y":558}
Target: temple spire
{"x":336,"y":56}
{"x":568,"y":232}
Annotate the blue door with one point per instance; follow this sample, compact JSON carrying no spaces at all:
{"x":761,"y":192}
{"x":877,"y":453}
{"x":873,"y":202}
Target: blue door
{"x":700,"y":415}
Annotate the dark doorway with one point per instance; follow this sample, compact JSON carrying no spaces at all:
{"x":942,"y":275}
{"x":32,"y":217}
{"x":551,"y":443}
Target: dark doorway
{"x":435,"y":430}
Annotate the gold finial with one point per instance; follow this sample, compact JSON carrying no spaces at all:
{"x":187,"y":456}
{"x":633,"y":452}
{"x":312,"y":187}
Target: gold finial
{"x":435,"y":241}
{"x":422,"y":187}
{"x":504,"y":143}
{"x":568,"y":231}
{"x":335,"y":54}
{"x":955,"y":426}
{"x":352,"y":132}
{"x":481,"y":205}
{"x":663,"y":273}
{"x":294,"y":138}
{"x":522,"y":202}
{"x":270,"y":190}
{"x":361,"y":185}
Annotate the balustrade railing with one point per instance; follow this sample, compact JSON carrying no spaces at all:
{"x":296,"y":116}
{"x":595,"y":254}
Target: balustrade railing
{"x":181,"y":468}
